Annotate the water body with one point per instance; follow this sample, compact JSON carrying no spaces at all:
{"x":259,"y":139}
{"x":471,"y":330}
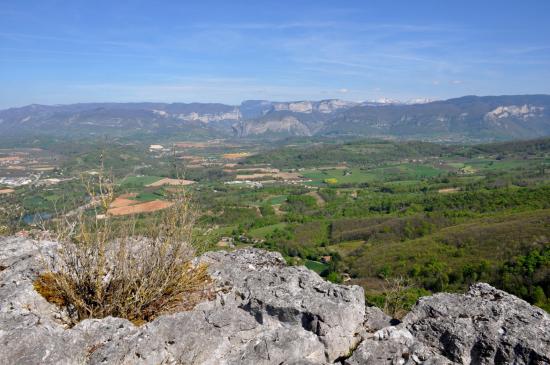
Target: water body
{"x":36,"y":217}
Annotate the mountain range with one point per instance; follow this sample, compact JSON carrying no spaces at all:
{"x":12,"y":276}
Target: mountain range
{"x":458,"y":119}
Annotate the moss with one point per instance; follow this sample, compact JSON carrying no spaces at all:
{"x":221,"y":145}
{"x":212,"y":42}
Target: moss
{"x":47,"y":285}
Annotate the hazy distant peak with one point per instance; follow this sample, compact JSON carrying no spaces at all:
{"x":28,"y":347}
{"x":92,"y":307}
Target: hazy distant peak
{"x":469,"y":117}
{"x":420,"y":101}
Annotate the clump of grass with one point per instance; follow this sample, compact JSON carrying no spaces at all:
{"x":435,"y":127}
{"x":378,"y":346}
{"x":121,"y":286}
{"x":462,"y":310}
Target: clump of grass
{"x":104,"y":268}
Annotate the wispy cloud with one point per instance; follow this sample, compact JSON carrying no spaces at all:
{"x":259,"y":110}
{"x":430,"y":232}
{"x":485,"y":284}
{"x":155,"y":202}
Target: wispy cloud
{"x":268,"y":26}
{"x":74,"y":40}
{"x":212,"y":89}
{"x":309,"y":52}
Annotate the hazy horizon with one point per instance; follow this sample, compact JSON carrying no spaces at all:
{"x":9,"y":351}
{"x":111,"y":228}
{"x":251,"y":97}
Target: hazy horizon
{"x":380,"y":101}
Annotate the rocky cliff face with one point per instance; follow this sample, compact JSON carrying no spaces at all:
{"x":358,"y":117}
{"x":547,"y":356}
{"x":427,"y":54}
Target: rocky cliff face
{"x":288,"y":125}
{"x":266,"y":312}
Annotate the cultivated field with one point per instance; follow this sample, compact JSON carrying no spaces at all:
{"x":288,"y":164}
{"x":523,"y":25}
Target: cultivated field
{"x":147,"y":207}
{"x":167,"y":181}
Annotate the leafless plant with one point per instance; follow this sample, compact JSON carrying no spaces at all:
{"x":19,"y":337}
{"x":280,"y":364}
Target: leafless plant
{"x":103,"y":268}
{"x":395,"y":304}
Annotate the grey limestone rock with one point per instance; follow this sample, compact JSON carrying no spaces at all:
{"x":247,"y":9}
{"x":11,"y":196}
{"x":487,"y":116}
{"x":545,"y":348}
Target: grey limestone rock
{"x":483,"y":326}
{"x":266,"y":312}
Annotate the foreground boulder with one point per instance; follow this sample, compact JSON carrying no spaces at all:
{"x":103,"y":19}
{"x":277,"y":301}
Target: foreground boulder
{"x":265,"y":312}
{"x":483,"y":326}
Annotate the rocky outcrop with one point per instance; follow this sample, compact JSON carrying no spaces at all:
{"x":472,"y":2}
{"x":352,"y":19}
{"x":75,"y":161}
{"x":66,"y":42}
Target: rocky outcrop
{"x":483,"y":326}
{"x":524,"y":112}
{"x":266,"y":312}
{"x":287,"y":125}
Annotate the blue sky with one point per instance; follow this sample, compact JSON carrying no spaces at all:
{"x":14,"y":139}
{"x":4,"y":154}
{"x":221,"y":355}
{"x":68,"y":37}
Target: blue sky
{"x":227,"y":51}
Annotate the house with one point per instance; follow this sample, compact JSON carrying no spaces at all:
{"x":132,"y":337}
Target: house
{"x":326,"y":259}
{"x":155,"y":147}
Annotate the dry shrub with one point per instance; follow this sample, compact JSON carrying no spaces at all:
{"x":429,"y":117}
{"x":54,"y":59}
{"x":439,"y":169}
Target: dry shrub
{"x":395,"y":303}
{"x":11,"y":216}
{"x":104,"y":268}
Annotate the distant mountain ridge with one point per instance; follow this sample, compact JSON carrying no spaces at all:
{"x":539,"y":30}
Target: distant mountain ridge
{"x":468,"y":117}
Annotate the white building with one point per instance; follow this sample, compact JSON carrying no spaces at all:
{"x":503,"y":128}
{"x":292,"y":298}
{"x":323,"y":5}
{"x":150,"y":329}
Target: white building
{"x":155,"y":147}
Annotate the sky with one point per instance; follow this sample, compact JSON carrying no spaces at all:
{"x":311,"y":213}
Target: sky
{"x":60,"y":52}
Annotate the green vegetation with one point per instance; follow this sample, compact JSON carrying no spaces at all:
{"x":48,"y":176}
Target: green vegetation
{"x":527,"y":276}
{"x":266,"y":231}
{"x":316,"y":266}
{"x":277,"y":200}
{"x":402,"y":219}
{"x":138,"y":181}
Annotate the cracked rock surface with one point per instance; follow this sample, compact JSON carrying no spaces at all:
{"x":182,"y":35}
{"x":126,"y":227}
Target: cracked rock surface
{"x":268,"y":313}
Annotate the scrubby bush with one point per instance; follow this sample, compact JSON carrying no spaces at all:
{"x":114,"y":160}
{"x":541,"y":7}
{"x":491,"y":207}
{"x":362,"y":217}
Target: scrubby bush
{"x":104,"y":268}
{"x":398,"y":297}
{"x":334,"y":277}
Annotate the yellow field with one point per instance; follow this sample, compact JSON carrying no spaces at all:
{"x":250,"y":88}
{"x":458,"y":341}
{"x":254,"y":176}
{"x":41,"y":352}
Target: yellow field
{"x":448,"y":190}
{"x":148,"y":207}
{"x":235,"y":156}
{"x":168,"y":181}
